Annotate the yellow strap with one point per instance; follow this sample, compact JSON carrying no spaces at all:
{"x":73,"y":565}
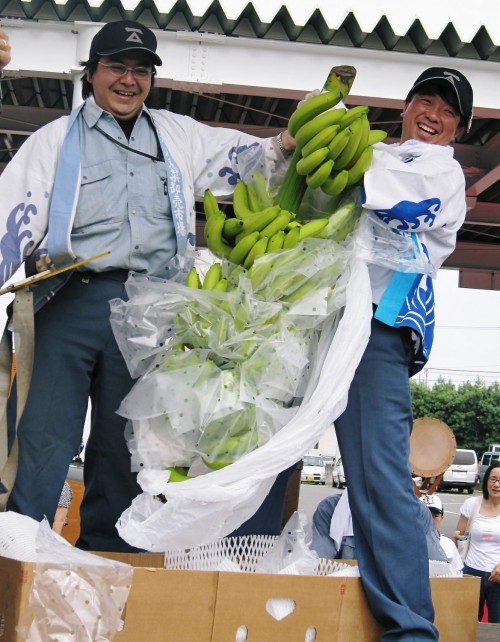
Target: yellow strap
{"x":24,"y":342}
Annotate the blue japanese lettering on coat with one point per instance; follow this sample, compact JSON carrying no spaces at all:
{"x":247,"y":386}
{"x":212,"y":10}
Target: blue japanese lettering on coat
{"x":234,"y":152}
{"x":13,"y":245}
{"x":408,"y":215}
{"x":417,"y":313}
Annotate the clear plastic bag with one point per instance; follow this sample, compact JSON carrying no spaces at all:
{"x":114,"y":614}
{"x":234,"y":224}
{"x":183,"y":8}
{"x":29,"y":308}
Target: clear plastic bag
{"x":378,"y":243}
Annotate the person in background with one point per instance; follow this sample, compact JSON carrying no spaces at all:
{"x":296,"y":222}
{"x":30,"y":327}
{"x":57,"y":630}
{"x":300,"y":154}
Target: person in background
{"x":113,"y":177}
{"x":413,"y":190}
{"x":62,"y":510}
{"x":333,"y":537}
{"x":435,"y":506}
{"x":483,"y":555}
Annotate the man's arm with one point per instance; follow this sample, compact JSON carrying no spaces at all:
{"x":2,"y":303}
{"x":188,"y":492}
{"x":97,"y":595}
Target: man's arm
{"x":4,"y":48}
{"x":4,"y":54}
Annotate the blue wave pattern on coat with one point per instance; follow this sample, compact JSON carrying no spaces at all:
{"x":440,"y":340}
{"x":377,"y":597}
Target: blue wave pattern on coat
{"x":412,"y":295}
{"x":232,"y":176}
{"x":409,"y":216}
{"x":13,"y":246}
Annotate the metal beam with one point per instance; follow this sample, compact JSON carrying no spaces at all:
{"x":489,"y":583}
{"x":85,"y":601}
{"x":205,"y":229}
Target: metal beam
{"x":473,"y":256}
{"x":274,"y":66}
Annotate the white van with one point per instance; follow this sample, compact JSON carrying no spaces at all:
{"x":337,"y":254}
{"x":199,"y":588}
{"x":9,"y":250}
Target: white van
{"x":463,"y":472}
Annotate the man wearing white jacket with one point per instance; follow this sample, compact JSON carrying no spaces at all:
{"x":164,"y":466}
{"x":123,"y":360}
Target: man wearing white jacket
{"x":414,"y":190}
{"x":113,"y":177}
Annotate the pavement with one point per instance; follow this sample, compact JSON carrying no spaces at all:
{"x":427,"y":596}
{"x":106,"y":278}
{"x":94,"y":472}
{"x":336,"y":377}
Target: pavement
{"x":488,"y":632}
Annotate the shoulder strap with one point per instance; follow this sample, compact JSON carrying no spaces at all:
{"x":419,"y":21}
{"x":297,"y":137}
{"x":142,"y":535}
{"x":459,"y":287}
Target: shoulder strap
{"x":63,"y":195}
{"x":23,"y":326}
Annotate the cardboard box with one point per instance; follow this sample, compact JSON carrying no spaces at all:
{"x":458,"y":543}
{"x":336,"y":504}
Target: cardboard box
{"x":207,"y":606}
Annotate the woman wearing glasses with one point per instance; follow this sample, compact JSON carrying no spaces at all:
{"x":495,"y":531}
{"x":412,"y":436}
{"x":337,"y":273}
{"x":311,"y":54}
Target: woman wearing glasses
{"x":483,"y":556}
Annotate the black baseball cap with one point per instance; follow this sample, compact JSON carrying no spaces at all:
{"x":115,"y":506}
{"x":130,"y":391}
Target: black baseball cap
{"x":452,"y":80}
{"x":124,"y":35}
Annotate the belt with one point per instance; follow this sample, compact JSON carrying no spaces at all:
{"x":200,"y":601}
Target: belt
{"x":108,"y":275}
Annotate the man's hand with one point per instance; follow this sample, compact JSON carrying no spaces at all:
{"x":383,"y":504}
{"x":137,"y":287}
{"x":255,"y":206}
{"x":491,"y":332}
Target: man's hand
{"x":4,"y":48}
{"x":287,"y":141}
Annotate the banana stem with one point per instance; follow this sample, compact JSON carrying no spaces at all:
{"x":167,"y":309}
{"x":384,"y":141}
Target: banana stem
{"x":293,"y":187}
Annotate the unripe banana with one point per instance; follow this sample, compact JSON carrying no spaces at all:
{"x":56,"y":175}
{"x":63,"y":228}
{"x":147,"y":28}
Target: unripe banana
{"x":336,"y":184}
{"x":292,"y":237}
{"x":322,"y":139}
{"x":253,"y":201}
{"x":311,"y":108}
{"x":259,"y":220}
{"x":318,"y":124}
{"x":277,"y":224}
{"x":338,"y":144}
{"x":344,"y":159}
{"x":177,"y":474}
{"x":210,"y":205}
{"x":232,"y":449}
{"x":352,"y":114}
{"x":363,"y":138}
{"x":309,"y":163}
{"x":239,"y":252}
{"x":313,"y":228}
{"x":241,"y":205}
{"x":221,"y":285}
{"x":300,"y":292}
{"x":319,"y":176}
{"x":212,"y":276}
{"x":232,"y":227}
{"x":276,"y":242}
{"x":342,"y":222}
{"x":258,"y":272}
{"x":193,"y":279}
{"x":376,"y":136}
{"x":257,"y":250}
{"x":357,"y":171}
{"x":213,"y":235}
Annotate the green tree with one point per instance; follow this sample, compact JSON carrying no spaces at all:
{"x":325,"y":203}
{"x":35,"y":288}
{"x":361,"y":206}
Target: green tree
{"x":471,"y":410}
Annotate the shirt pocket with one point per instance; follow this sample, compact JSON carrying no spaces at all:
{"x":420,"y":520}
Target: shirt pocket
{"x":99,"y":192}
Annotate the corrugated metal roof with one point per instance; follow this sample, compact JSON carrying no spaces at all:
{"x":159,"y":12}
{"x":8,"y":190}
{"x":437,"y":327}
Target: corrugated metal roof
{"x":252,"y":75}
{"x":443,"y":27}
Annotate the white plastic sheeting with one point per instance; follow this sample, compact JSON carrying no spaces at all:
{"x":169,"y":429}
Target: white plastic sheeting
{"x":210,"y":506}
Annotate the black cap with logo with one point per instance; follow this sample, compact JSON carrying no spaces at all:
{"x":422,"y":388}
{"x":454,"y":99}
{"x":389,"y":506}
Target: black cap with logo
{"x":124,"y":35}
{"x":452,"y":80}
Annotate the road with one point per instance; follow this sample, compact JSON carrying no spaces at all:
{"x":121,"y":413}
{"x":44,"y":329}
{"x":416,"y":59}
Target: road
{"x":310,"y":495}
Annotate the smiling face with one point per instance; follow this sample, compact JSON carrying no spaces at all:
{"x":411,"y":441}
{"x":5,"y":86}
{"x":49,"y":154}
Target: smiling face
{"x":122,"y":97}
{"x":430,"y":119}
{"x":493,"y":484}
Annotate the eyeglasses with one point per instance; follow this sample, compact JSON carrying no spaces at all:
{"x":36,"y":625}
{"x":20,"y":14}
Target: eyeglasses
{"x":118,"y":70}
{"x":494,"y":480}
{"x":436,"y":513}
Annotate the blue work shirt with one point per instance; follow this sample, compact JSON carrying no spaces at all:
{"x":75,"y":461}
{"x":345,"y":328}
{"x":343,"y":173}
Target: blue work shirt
{"x":123,"y":205}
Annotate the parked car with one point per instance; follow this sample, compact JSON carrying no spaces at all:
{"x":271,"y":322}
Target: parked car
{"x":463,"y":472}
{"x":338,"y":477}
{"x":486,"y":460}
{"x":313,"y":469}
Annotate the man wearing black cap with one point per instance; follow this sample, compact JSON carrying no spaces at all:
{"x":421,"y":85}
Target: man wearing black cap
{"x":414,"y":204}
{"x":113,"y":177}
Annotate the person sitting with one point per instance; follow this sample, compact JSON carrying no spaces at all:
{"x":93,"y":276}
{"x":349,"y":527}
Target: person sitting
{"x":435,"y":506}
{"x":333,"y":536}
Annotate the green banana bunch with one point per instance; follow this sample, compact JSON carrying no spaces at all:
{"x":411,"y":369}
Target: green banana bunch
{"x":337,"y":86}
